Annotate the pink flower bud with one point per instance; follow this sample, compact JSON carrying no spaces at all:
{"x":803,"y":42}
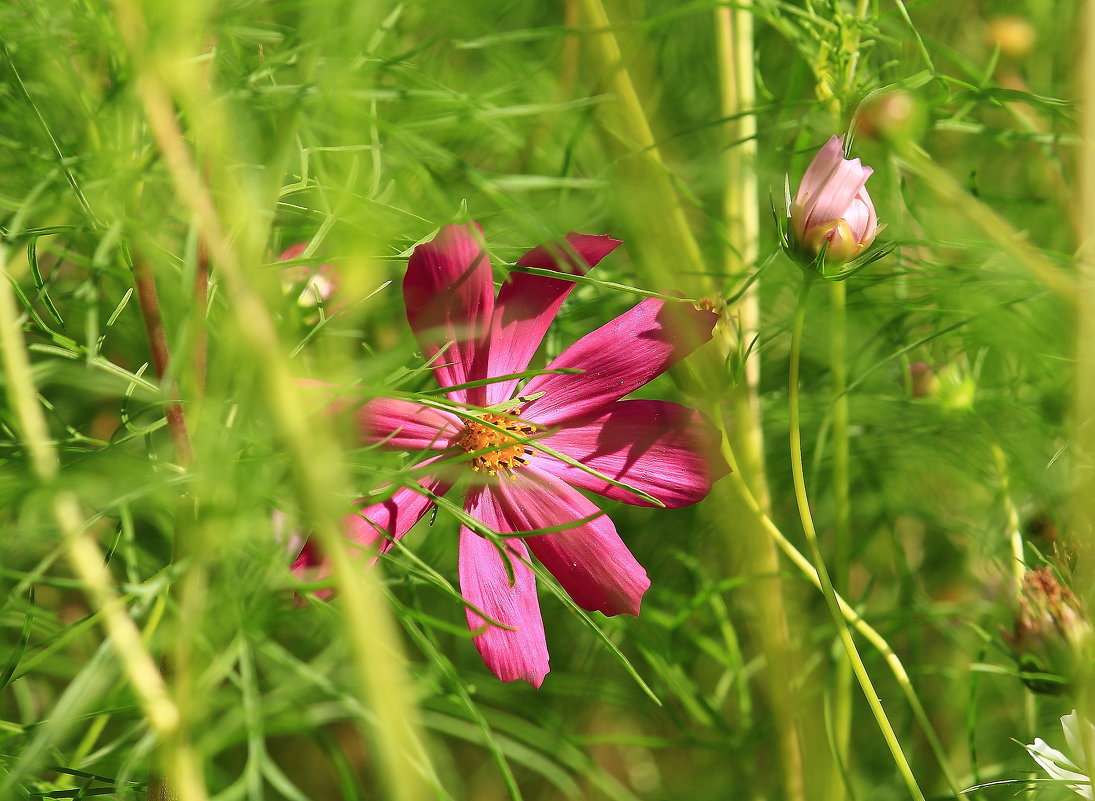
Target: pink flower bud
{"x":1052,"y":634}
{"x":832,"y":208}
{"x":1014,"y":35}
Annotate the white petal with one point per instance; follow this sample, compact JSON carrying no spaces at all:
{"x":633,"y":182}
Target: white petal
{"x":1058,"y":766}
{"x":1075,"y":738}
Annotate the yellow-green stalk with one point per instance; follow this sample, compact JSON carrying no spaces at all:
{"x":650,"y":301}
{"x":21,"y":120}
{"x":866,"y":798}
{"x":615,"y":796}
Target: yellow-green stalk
{"x":842,"y":506}
{"x":645,"y":185}
{"x":1083,"y":499}
{"x":378,"y":658}
{"x":831,"y":597}
{"x":741,"y":212}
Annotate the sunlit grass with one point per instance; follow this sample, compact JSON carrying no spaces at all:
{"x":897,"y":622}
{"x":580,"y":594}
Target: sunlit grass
{"x":180,"y":140}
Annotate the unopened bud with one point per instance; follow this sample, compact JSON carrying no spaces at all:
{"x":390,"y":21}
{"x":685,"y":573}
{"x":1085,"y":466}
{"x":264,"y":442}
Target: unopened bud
{"x":893,"y":117}
{"x":923,"y":383}
{"x":832,"y":210}
{"x":1051,"y":632}
{"x":1014,"y":35}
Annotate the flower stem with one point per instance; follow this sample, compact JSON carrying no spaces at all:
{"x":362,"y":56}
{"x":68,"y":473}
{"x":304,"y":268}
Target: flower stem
{"x":842,"y":678}
{"x":838,"y":351}
{"x":861,"y":626}
{"x":1014,"y":530}
{"x":737,"y":81}
{"x":160,"y":787}
{"x":827,"y":589}
{"x":149,"y":302}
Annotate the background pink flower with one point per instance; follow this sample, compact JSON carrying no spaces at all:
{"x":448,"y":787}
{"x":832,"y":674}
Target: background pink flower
{"x":832,"y":208}
{"x":516,"y":485}
{"x":310,"y":283}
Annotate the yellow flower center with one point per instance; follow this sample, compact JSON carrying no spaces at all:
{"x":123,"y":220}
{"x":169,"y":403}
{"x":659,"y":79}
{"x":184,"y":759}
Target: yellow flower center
{"x":496,"y":446}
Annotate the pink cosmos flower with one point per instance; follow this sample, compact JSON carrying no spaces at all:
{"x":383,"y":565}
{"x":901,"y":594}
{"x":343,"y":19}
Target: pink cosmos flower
{"x":512,"y":483}
{"x":308,"y":282}
{"x":832,"y":206}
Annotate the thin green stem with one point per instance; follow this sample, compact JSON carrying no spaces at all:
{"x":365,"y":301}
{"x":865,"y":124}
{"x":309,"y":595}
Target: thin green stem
{"x":861,"y":626}
{"x":1014,"y":532}
{"x":842,"y":678}
{"x":831,"y":597}
{"x":842,"y":507}
{"x":62,"y":161}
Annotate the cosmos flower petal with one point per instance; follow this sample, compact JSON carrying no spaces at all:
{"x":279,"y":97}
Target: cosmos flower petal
{"x":379,"y":524}
{"x":519,"y":651}
{"x":374,"y":528}
{"x":1074,"y":737}
{"x":857,"y":215}
{"x":449,"y":294}
{"x":527,"y":304}
{"x":407,"y":426}
{"x":590,"y":561}
{"x":310,"y":565}
{"x":659,"y":447}
{"x":617,"y":358}
{"x":1059,"y":767}
{"x":870,"y":227}
{"x":831,"y":203}
{"x":821,"y":167}
{"x":293,"y":251}
{"x":308,"y":556}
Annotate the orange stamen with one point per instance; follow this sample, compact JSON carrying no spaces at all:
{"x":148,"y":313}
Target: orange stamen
{"x":497,"y":448}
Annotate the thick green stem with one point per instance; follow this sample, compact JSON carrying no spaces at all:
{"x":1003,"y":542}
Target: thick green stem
{"x":831,"y":597}
{"x":645,"y":179}
{"x":737,"y":81}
